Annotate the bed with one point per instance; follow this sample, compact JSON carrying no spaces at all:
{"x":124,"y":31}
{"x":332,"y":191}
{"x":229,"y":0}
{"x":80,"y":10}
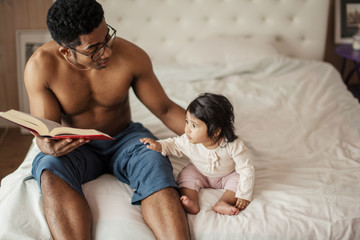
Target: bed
{"x":292,"y":110}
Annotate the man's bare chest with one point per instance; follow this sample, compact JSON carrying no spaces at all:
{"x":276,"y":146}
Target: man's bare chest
{"x":79,"y":95}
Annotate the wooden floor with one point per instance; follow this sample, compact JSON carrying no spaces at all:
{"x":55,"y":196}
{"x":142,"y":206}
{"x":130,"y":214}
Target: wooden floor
{"x":13,"y":149}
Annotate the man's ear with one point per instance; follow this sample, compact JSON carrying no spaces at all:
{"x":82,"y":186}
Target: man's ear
{"x":65,"y":51}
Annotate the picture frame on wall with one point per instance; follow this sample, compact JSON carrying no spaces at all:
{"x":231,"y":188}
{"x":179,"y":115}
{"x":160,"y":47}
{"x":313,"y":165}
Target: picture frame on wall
{"x":27,"y":41}
{"x":347,"y":20}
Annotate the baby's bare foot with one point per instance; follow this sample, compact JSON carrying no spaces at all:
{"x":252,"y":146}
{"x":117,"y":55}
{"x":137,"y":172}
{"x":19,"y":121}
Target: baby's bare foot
{"x":225,"y":208}
{"x":189,"y":205}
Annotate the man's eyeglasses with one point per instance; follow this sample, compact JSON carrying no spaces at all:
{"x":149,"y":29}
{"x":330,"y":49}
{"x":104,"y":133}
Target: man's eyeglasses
{"x":100,"y":51}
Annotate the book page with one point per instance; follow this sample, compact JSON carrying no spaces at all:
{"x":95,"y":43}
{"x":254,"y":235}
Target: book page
{"x":47,"y":128}
{"x":74,"y":131}
{"x":28,"y":121}
{"x":48,"y":123}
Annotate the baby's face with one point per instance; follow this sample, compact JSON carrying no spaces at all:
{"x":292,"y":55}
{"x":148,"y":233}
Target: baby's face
{"x":196,"y":131}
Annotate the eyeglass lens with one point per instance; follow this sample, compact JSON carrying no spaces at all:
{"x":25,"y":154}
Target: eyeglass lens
{"x":101,"y":50}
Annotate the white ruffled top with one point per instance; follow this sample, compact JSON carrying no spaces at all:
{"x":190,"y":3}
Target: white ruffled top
{"x":217,"y":162}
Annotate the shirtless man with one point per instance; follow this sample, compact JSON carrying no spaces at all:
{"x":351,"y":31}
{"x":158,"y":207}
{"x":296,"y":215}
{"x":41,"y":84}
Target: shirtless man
{"x":82,"y":79}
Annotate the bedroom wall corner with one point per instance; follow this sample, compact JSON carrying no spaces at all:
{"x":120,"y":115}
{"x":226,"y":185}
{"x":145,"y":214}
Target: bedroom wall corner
{"x":15,"y":15}
{"x":330,"y":54}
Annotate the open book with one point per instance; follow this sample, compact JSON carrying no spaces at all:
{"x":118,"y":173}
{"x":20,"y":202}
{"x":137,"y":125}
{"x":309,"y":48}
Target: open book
{"x":51,"y":129}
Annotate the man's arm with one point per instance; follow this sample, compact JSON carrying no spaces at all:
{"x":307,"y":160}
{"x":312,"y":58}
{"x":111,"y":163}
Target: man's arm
{"x":148,"y":89}
{"x":43,"y":102}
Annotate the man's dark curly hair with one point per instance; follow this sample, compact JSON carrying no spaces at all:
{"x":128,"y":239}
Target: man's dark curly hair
{"x":216,"y":112}
{"x":67,"y":19}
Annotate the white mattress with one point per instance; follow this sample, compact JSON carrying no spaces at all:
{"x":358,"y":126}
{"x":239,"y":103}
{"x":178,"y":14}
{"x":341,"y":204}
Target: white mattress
{"x":299,"y":121}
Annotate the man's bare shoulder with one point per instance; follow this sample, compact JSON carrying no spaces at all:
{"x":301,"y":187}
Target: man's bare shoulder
{"x":125,"y":44}
{"x":43,"y":63}
{"x":134,"y":57}
{"x":130,"y":50}
{"x":45,"y":56}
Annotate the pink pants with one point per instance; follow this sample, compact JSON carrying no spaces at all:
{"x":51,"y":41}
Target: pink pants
{"x":190,"y":177}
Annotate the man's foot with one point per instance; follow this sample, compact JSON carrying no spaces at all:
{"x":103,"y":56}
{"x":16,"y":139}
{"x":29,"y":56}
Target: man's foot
{"x":189,"y":205}
{"x":225,"y":208}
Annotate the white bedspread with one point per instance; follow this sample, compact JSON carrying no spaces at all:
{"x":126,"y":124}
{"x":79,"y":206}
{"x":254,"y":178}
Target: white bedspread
{"x":299,"y":121}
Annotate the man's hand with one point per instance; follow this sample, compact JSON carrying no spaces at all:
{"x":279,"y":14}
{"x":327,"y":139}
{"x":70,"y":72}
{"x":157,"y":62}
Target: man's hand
{"x":58,"y":148}
{"x":241,"y":203}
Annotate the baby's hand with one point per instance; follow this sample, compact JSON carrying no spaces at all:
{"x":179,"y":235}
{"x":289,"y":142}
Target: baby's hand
{"x":241,"y":203}
{"x":151,"y":144}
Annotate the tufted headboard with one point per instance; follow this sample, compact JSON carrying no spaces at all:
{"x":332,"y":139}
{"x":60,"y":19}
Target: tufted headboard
{"x":296,"y":28}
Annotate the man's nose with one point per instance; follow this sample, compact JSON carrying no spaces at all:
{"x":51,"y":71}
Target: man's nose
{"x":107,"y":52}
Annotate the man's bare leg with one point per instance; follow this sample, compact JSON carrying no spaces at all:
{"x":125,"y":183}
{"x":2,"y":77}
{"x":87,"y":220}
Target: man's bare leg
{"x":164,"y":214}
{"x":66,"y":211}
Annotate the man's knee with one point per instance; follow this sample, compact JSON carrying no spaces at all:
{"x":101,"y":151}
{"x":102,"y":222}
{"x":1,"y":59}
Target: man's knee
{"x":49,"y":180}
{"x":165,"y":195}
{"x":47,"y":176}
{"x":53,"y":185}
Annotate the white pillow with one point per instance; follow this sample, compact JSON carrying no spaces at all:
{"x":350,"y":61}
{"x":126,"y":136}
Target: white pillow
{"x":225,"y":50}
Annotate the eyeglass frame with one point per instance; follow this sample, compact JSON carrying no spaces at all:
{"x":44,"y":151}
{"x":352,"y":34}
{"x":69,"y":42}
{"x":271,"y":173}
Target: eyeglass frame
{"x":105,"y":44}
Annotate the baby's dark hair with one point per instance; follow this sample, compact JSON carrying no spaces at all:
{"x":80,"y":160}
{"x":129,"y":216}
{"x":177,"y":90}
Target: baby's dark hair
{"x":67,"y":19}
{"x":216,"y":112}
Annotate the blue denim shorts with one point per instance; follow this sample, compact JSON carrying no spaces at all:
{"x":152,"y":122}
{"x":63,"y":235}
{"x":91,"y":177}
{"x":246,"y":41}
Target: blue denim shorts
{"x":127,"y":158}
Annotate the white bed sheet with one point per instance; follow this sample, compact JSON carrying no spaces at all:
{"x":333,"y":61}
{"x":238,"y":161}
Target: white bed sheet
{"x":299,"y":121}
